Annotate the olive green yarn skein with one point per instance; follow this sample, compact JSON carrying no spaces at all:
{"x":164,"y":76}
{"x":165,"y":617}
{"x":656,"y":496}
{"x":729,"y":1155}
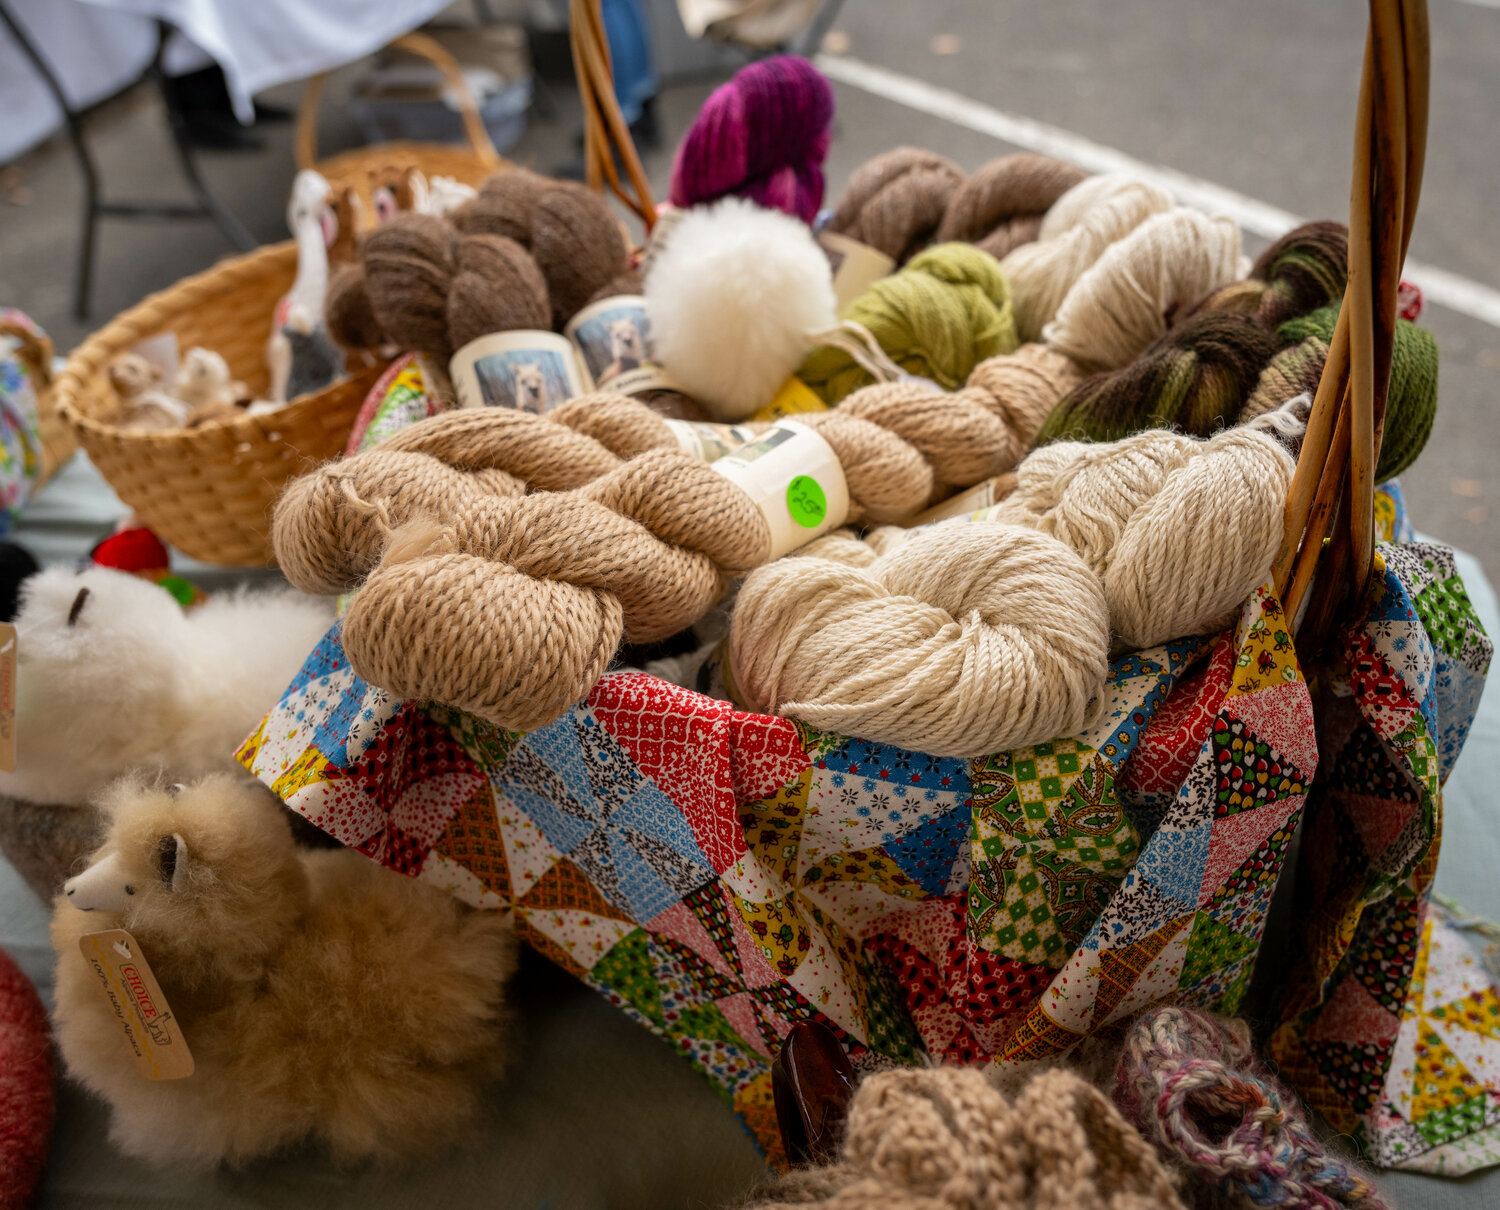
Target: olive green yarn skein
{"x":1411,"y":399}
{"x":939,"y":317}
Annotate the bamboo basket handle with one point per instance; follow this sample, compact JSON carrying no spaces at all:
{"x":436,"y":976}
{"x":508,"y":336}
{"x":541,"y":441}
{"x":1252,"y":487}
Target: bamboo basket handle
{"x":1334,"y":483}
{"x":423,"y":47}
{"x":34,"y":349}
{"x":604,"y":128}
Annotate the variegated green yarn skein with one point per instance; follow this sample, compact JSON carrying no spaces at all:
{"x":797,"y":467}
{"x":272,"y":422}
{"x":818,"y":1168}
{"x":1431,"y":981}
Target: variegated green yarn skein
{"x":939,"y":317}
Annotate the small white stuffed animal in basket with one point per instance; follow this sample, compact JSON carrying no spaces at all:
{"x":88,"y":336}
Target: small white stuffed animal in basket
{"x":324,"y":999}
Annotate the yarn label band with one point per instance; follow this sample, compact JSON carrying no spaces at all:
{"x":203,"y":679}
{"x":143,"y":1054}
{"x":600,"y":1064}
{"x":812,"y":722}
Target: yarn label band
{"x":8,"y":652}
{"x":147,"y":1025}
{"x":856,"y":267}
{"x":709,"y":442}
{"x":531,"y":371}
{"x":795,"y":479}
{"x":613,"y":340}
{"x":971,"y":503}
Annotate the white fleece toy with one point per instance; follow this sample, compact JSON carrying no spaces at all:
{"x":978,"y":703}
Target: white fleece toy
{"x":113,"y":676}
{"x":736,"y":297}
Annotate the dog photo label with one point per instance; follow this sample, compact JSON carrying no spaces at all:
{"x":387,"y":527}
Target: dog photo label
{"x":613,"y":339}
{"x":531,"y":371}
{"x":146,"y":1022}
{"x":795,"y":479}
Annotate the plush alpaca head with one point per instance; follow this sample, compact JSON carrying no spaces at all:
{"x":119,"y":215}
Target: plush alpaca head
{"x":96,"y":649}
{"x":531,"y":386}
{"x":204,"y":866}
{"x":304,"y":209}
{"x":202,"y":378}
{"x":625,"y":344}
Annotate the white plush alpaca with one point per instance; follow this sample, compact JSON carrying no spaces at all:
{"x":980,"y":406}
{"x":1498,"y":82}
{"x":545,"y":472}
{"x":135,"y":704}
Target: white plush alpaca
{"x":324,"y":999}
{"x":304,"y":216}
{"x":113,"y":676}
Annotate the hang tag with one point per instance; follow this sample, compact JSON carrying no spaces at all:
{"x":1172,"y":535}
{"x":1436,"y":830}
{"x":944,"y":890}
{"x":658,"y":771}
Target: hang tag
{"x":531,"y":371}
{"x":795,"y":479}
{"x":146,"y":1023}
{"x":9,"y":650}
{"x":972,"y":502}
{"x":613,"y":340}
{"x":710,"y":442}
{"x":856,"y":267}
{"x":793,"y":398}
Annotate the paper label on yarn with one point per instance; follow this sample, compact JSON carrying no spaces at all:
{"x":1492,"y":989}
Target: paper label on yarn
{"x":531,"y":371}
{"x":709,"y":442}
{"x":613,"y":340}
{"x":793,"y":398}
{"x":147,"y":1025}
{"x":795,"y":479}
{"x":856,"y":267}
{"x":970,"y":503}
{"x":9,"y":649}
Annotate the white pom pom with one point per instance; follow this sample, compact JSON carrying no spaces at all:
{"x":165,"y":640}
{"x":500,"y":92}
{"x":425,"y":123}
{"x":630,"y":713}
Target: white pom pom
{"x":734,"y":299}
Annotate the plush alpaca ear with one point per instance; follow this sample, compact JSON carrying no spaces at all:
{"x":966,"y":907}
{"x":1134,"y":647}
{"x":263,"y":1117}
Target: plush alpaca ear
{"x":172,"y":860}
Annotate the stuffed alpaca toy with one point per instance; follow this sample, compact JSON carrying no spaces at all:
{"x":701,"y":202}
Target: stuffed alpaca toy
{"x":113,"y":676}
{"x":325,"y":999}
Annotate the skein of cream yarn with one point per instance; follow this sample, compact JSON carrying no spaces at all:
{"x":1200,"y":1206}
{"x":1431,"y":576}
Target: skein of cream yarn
{"x":1123,"y":301}
{"x":1074,"y":233}
{"x":964,"y":639}
{"x":1180,"y":531}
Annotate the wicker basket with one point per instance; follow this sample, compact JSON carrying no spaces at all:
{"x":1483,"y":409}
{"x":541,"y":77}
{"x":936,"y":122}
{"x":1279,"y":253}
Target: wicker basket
{"x":58,"y":440}
{"x":209,"y":491}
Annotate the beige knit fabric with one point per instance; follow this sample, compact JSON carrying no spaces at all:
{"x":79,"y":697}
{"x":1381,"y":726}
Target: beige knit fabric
{"x":944,"y":1139}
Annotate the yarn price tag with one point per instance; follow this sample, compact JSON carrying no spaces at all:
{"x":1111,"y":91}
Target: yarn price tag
{"x":8,"y":652}
{"x":795,"y":479}
{"x":856,"y":267}
{"x":145,"y":1019}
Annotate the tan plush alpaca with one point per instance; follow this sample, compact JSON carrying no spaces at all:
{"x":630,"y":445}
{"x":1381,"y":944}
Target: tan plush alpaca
{"x":324,"y":999}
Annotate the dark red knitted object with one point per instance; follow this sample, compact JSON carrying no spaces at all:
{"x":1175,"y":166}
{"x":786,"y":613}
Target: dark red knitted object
{"x":136,"y":549}
{"x":27,"y":1090}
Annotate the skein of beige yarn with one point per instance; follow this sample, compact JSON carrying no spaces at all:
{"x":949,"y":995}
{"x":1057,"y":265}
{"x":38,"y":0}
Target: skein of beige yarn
{"x":965,"y":639}
{"x":1124,"y":300}
{"x":944,"y":1139}
{"x":1074,"y":233}
{"x":1180,"y":531}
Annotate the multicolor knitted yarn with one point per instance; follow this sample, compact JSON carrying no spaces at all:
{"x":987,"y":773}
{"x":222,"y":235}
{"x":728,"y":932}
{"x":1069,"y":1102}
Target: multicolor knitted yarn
{"x":1190,"y":1082}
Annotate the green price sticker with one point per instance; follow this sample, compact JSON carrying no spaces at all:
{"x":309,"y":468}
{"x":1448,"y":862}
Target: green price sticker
{"x":806,"y":502}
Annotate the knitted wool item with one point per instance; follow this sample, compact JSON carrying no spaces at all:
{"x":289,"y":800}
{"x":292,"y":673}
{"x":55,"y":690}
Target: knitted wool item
{"x":1411,"y":397}
{"x":27,"y":1097}
{"x":1194,"y":379}
{"x":763,"y":136}
{"x":937,"y":318}
{"x":896,"y":201}
{"x":1002,"y":205}
{"x":1191,"y":1083}
{"x":944,"y":1139}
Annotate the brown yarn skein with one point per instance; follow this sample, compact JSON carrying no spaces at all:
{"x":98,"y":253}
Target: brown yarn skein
{"x":896,"y":201}
{"x":1001,"y":206}
{"x":511,"y":607}
{"x":568,"y":229}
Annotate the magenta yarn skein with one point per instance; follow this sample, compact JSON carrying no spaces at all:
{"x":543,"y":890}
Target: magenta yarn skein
{"x":764,"y":136}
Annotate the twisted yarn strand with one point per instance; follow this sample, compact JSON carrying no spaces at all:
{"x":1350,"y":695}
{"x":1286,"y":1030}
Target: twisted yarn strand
{"x":1183,"y":1072}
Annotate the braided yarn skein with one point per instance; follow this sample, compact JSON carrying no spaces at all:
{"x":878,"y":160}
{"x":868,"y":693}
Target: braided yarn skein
{"x":967,"y":638}
{"x":895,"y":202}
{"x":1180,"y":531}
{"x":1306,"y":268}
{"x":1125,"y":299}
{"x":1411,"y":396}
{"x":1002,"y":205}
{"x":1191,"y":1083}
{"x":510,"y":607}
{"x":943,"y":1139}
{"x":424,"y":286}
{"x":938,"y":318}
{"x":568,"y":229}
{"x":1074,"y":233}
{"x":1195,"y":379}
{"x":1294,"y":370}
{"x":764,"y":136}
{"x":330,"y":525}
